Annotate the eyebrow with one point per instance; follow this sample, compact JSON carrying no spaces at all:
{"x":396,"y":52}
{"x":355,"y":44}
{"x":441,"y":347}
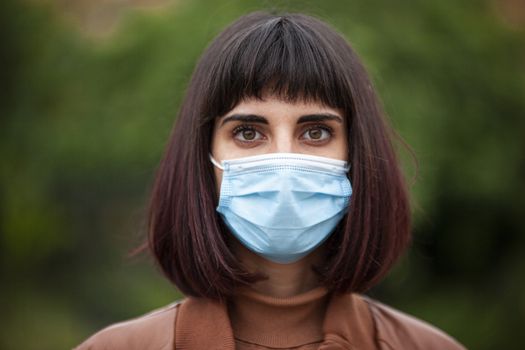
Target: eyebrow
{"x":319,"y":117}
{"x":254,"y":118}
{"x":249,"y":118}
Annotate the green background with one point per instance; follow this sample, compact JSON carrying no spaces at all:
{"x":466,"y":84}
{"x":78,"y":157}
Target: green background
{"x":85,"y":114}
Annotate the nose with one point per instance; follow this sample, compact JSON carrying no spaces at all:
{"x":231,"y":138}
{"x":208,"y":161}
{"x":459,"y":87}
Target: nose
{"x":283,"y":142}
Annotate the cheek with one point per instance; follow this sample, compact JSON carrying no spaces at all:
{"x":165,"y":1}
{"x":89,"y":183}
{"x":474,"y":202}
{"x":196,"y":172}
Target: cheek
{"x":217,"y":146}
{"x":345,"y":150}
{"x":218,"y":180}
{"x":343,"y":146}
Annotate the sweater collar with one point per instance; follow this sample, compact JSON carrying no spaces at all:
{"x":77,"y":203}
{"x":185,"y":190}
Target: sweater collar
{"x":279,"y":322}
{"x":205,"y":324}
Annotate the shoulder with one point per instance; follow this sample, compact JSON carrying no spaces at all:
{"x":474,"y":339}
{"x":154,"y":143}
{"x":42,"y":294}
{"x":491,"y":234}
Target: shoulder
{"x":154,"y":330}
{"x":397,"y":330}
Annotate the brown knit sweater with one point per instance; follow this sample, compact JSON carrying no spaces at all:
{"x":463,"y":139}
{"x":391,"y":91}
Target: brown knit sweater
{"x":263,"y":322}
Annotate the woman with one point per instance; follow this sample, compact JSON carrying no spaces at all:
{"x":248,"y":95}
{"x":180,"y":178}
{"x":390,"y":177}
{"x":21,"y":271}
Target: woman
{"x":279,"y":199}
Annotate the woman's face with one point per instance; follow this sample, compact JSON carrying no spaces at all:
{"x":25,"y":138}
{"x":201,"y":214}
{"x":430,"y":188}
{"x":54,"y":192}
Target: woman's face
{"x":271,"y":125}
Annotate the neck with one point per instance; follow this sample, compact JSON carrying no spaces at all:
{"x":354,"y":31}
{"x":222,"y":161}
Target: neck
{"x":284,"y":280}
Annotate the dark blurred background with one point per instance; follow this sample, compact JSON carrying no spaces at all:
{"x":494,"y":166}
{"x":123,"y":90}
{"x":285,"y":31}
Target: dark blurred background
{"x":90,"y":89}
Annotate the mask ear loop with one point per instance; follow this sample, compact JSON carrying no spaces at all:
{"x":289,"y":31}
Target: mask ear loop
{"x":214,"y":162}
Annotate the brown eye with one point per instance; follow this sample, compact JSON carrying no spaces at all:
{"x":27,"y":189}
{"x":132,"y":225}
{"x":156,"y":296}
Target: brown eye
{"x":248,"y":134}
{"x":317,"y":133}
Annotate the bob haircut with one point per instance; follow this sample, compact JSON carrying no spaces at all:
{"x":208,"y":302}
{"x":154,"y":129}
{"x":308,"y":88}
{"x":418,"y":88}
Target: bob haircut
{"x":294,"y":57}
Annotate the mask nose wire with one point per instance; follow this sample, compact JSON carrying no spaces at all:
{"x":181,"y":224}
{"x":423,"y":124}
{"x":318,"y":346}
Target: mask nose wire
{"x":214,"y":162}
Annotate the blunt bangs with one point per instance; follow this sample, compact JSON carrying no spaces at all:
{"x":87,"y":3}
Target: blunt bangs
{"x":294,"y":57}
{"x":286,"y":56}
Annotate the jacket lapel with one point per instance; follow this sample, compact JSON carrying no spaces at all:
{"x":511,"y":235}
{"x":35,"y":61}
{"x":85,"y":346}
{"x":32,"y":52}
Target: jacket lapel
{"x":348,"y":324}
{"x":203,"y":324}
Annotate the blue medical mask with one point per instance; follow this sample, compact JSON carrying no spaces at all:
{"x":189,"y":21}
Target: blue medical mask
{"x":283,"y":205}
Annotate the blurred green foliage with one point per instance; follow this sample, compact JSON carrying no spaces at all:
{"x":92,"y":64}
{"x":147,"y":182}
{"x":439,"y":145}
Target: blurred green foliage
{"x":83,"y":124}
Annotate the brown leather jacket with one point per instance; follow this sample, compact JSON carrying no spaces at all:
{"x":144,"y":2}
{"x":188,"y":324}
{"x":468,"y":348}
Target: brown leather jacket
{"x":197,"y":323}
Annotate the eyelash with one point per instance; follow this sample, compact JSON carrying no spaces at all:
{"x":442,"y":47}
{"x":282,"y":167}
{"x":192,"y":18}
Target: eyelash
{"x":243,"y":127}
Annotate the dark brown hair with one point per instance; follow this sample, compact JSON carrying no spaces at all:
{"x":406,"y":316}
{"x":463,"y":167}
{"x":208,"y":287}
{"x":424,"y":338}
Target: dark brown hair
{"x":295,"y":57}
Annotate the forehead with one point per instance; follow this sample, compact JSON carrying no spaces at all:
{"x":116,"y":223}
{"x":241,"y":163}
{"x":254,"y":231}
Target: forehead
{"x":275,"y":107}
